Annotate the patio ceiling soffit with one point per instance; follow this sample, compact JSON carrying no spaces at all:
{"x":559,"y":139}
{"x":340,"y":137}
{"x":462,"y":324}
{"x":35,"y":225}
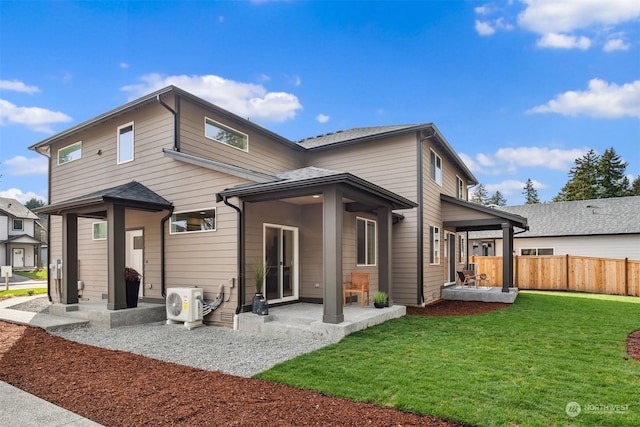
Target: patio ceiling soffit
{"x":131,"y":195}
{"x":312,"y":180}
{"x":494,"y":220}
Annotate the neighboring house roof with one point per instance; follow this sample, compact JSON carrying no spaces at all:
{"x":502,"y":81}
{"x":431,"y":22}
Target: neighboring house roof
{"x":131,"y":194}
{"x":617,"y":215}
{"x":22,"y":238}
{"x":364,"y":134}
{"x":13,"y":208}
{"x":313,"y":177}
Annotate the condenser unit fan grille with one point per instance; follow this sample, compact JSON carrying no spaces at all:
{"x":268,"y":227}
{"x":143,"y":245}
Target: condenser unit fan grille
{"x":174,"y":304}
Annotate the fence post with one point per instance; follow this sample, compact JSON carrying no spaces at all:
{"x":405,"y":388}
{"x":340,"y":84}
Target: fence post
{"x":566,"y":269}
{"x":626,"y":276}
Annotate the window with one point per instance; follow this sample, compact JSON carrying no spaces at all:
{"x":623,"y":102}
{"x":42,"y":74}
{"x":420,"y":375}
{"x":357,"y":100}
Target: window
{"x":70,"y":153}
{"x":460,"y":192}
{"x":100,"y":230}
{"x":195,"y":221}
{"x":436,"y":168}
{"x":125,"y":143}
{"x":536,"y":251}
{"x":366,"y":241}
{"x":434,"y":239}
{"x":18,"y":224}
{"x":225,"y":135}
{"x":461,"y":249}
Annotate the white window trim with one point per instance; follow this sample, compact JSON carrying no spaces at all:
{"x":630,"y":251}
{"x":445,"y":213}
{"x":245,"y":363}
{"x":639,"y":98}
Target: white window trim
{"x":435,"y":177}
{"x":462,"y":249}
{"x":13,"y":228}
{"x":215,"y":225}
{"x":461,"y":192}
{"x":436,"y":260}
{"x":67,"y":146}
{"x":133,"y":143}
{"x":93,"y":230}
{"x":366,"y":242}
{"x":228,"y":128}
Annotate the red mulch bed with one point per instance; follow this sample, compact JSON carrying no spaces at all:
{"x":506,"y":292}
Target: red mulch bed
{"x":456,"y":308}
{"x":633,"y":345}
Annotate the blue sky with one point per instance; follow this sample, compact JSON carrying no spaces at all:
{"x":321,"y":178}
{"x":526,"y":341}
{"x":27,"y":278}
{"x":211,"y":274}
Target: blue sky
{"x":520,"y":89}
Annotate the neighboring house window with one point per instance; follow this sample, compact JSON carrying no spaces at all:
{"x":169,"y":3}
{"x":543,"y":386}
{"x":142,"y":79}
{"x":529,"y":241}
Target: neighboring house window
{"x":536,"y":251}
{"x":461,"y":249}
{"x":436,"y":168}
{"x":100,"y":230}
{"x":225,"y":134}
{"x":460,"y":185}
{"x":193,"y":221}
{"x":70,"y":153}
{"x":18,"y":224}
{"x":366,"y":241}
{"x":125,"y":143}
{"x":434,"y":240}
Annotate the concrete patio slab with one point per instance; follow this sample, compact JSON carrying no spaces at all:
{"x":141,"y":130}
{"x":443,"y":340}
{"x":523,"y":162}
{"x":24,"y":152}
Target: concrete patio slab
{"x":481,"y":293}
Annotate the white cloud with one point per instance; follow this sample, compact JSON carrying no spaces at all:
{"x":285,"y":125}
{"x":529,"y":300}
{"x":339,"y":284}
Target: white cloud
{"x":565,"y":16}
{"x":245,"y":99}
{"x":124,"y":65}
{"x":20,"y":166}
{"x":35,"y":118}
{"x":484,"y":28}
{"x":615,"y":44}
{"x":18,"y":86}
{"x":601,"y":100}
{"x":322,"y":118}
{"x":512,"y":186}
{"x":509,"y":159}
{"x":482,"y":10}
{"x":19,"y":195}
{"x":563,"y":41}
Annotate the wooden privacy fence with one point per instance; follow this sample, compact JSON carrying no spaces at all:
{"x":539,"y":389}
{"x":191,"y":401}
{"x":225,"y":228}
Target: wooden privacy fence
{"x":567,"y":273}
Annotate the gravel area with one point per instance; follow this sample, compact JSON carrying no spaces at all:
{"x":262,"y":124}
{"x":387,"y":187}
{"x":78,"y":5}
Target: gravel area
{"x":210,"y":348}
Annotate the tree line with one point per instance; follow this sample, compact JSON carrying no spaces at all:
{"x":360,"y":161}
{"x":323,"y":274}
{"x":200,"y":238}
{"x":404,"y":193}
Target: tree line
{"x":593,"y":176}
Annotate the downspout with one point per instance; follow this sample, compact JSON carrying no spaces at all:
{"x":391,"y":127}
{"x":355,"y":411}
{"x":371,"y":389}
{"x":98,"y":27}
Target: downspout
{"x":176,"y":118}
{"x":420,"y":248}
{"x":163,"y":286}
{"x":240,"y":250}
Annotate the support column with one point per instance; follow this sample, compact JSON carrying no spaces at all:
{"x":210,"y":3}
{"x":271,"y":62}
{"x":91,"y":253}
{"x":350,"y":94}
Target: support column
{"x":69,"y":288}
{"x":385,"y":223}
{"x":507,"y":257}
{"x":116,"y":293}
{"x":332,"y":210}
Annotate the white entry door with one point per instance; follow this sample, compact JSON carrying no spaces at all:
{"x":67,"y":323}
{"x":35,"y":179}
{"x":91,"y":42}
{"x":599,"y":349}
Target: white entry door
{"x":134,"y":254}
{"x":281,"y":257}
{"x":18,"y":258}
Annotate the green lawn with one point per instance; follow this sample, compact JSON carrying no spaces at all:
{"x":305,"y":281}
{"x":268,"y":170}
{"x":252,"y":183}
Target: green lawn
{"x":40,"y":274}
{"x":20,"y":292}
{"x":519,"y":366}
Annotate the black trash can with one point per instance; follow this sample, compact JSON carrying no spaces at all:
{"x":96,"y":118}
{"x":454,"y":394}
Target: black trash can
{"x":133,"y":287}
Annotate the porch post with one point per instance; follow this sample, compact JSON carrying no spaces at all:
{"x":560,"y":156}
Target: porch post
{"x":332,"y":258}
{"x":116,"y":291}
{"x":384,"y":252}
{"x":507,"y":257}
{"x":69,"y":288}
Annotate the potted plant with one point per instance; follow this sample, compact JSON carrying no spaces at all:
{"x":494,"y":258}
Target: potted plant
{"x":132,"y":281}
{"x":259,"y":304}
{"x":380,"y":299}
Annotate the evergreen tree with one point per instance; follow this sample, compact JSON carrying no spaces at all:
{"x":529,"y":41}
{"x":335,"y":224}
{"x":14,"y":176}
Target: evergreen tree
{"x":583,"y":181}
{"x":497,"y":199}
{"x":479,"y":194}
{"x":635,"y":187}
{"x":33,"y":203}
{"x":530,"y":193}
{"x":612,"y":181}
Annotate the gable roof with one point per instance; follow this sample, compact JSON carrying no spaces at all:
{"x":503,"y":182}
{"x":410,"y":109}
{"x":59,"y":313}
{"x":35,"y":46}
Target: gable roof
{"x":617,"y":215}
{"x":131,"y":194}
{"x":13,"y":208}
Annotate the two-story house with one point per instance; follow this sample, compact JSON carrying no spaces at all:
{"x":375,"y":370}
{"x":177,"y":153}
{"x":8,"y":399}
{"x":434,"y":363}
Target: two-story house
{"x":18,"y":246}
{"x":190,"y":194}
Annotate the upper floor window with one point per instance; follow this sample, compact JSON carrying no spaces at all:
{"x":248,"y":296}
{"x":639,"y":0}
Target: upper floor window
{"x":434,"y":240}
{"x":436,"y":168}
{"x":225,"y":134}
{"x":125,"y":143}
{"x":70,"y":153}
{"x":460,"y":188}
{"x":536,"y":251}
{"x":18,"y":224}
{"x":193,"y":221}
{"x":100,"y":230}
{"x":365,"y":241}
